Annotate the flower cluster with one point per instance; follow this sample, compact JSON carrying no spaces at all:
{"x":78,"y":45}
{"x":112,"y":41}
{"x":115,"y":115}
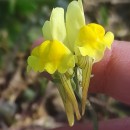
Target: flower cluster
{"x":70,"y":47}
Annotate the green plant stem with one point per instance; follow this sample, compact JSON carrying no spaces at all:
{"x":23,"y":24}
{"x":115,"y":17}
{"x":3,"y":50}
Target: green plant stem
{"x":94,"y":115}
{"x":77,"y":83}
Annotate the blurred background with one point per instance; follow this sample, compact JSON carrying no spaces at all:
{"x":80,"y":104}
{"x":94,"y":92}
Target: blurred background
{"x":29,"y":101}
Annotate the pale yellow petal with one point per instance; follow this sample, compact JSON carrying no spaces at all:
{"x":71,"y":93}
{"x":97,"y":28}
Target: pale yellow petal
{"x":74,"y":21}
{"x":57,"y":24}
{"x":67,"y":61}
{"x":108,"y":39}
{"x":47,"y":31}
{"x":96,"y":52}
{"x":35,"y":64}
{"x":80,"y":5}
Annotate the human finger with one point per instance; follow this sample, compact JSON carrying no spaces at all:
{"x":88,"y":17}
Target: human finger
{"x":112,"y":73}
{"x":112,"y":124}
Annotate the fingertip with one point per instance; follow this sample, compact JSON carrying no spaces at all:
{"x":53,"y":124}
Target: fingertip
{"x":111,"y":74}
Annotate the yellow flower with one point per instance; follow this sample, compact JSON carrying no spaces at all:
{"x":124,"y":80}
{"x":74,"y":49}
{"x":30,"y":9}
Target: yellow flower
{"x":55,"y":28}
{"x":87,"y":41}
{"x":90,"y":46}
{"x":53,"y":56}
{"x":92,"y":41}
{"x":66,"y":44}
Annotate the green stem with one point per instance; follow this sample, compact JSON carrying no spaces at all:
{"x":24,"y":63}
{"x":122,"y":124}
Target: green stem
{"x":77,"y":84}
{"x":94,"y":115}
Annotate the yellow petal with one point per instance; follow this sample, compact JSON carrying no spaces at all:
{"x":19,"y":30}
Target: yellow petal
{"x":35,"y":63}
{"x":108,"y":39}
{"x":94,"y":51}
{"x":80,"y":5}
{"x":57,"y":24}
{"x":74,"y":21}
{"x":90,"y":33}
{"x":97,"y":29}
{"x":55,"y":28}
{"x":51,"y":56}
{"x":47,"y":31}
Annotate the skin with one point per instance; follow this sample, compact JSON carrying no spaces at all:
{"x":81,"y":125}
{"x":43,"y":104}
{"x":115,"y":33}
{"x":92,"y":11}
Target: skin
{"x":112,"y":73}
{"x":113,"y":124}
{"x":111,"y":77}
